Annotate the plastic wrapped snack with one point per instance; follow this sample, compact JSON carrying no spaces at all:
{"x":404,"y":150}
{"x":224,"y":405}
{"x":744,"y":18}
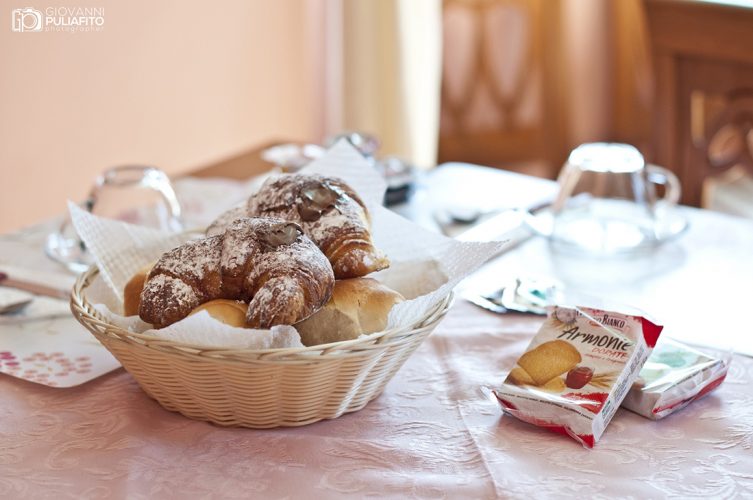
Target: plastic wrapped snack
{"x":577,"y":370}
{"x":674,"y":376}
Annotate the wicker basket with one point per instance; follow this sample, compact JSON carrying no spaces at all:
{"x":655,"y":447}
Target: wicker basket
{"x":258,"y":388}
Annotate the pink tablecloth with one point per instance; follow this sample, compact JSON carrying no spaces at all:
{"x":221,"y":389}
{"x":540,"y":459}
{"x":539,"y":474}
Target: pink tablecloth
{"x":432,"y":434}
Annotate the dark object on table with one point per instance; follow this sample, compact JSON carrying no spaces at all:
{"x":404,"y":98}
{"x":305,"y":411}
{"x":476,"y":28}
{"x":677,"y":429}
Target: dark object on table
{"x":400,"y":179}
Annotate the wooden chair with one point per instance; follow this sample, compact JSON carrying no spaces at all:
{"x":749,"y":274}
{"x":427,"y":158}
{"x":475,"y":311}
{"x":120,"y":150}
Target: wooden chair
{"x":502,"y":98}
{"x":703,"y":113}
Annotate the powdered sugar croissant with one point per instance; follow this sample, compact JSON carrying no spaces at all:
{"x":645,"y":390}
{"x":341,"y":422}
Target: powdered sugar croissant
{"x":269,"y":263}
{"x":328,"y":210}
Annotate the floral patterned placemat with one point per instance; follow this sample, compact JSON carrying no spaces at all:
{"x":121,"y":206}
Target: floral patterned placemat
{"x":54,"y":350}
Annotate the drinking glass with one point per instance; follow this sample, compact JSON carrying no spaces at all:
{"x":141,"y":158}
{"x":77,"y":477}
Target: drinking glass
{"x":135,"y":194}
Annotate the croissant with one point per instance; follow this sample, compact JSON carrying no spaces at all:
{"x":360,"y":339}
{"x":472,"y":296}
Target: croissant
{"x":269,"y":263}
{"x":328,"y":210}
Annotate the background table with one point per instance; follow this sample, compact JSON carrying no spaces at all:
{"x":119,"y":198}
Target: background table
{"x":432,"y":433}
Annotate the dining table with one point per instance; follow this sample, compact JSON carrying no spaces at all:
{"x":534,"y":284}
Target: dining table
{"x":434,"y":432}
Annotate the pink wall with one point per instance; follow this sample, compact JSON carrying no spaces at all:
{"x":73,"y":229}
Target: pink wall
{"x":172,"y":84}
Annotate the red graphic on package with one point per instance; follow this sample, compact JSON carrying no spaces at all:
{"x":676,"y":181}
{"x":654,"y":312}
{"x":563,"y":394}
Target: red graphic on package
{"x":591,"y":401}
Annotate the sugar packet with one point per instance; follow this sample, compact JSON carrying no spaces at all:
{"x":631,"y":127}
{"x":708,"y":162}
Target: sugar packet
{"x":674,"y":376}
{"x":577,"y":370}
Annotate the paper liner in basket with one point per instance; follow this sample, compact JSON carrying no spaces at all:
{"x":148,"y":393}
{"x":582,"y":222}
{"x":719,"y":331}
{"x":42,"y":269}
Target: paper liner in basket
{"x":425,"y":266}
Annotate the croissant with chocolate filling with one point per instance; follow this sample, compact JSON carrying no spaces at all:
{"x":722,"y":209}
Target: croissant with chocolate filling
{"x":328,"y":210}
{"x":269,"y":263}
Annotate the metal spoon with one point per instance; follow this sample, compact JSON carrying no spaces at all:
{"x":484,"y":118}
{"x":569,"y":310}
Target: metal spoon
{"x":15,"y":307}
{"x":11,"y":299}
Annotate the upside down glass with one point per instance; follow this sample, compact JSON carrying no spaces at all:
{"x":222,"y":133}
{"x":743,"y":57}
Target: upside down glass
{"x":608,"y":201}
{"x":135,"y":194}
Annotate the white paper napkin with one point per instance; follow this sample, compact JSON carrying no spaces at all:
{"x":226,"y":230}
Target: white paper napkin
{"x":425,"y":265}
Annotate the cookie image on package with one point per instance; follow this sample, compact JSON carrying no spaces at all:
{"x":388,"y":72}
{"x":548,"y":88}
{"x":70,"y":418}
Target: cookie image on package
{"x":519,"y":376}
{"x":554,"y":385}
{"x":548,"y":360}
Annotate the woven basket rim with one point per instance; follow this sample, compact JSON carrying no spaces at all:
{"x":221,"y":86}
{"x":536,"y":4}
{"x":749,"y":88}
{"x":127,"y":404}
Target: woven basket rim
{"x":85,"y":313}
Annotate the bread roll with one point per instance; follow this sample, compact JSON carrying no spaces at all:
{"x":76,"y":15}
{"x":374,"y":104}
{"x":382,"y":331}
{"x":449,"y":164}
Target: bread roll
{"x":357,"y":306}
{"x":132,"y":291}
{"x":230,"y":312}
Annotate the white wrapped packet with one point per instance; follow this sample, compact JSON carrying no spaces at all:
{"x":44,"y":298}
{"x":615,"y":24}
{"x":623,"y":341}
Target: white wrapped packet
{"x":674,"y":376}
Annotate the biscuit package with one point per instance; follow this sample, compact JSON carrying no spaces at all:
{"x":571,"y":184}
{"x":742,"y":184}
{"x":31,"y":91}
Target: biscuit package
{"x":577,"y":370}
{"x":674,"y":376}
